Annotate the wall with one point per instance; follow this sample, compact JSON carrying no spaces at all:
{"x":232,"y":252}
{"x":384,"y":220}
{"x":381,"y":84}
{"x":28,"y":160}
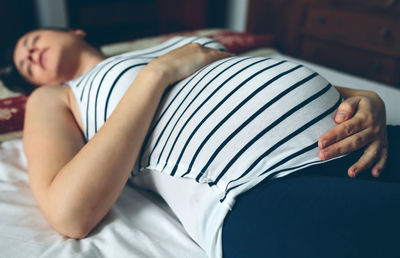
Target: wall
{"x":51,"y":13}
{"x":236,"y":15}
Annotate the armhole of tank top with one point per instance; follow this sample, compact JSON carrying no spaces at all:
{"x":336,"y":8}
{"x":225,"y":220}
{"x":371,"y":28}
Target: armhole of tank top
{"x":73,"y":106}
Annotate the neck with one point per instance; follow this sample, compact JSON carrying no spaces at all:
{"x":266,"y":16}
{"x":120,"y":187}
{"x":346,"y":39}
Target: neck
{"x":88,"y":60}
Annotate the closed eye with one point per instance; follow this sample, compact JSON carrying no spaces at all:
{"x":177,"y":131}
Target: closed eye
{"x":35,"y":39}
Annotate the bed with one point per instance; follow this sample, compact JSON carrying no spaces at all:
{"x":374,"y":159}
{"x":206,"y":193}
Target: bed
{"x":140,"y":224}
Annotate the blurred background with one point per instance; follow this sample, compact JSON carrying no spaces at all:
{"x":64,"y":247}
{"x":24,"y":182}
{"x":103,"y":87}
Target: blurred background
{"x":107,"y":21}
{"x":361,"y":37}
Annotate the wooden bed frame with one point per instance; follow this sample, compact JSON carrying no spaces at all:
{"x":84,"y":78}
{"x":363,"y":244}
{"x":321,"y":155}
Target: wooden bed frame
{"x":361,"y":37}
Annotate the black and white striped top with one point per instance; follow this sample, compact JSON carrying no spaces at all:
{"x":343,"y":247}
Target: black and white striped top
{"x":230,"y":125}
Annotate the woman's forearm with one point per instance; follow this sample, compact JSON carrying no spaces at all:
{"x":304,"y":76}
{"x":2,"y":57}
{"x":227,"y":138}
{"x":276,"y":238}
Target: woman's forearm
{"x":87,"y":186}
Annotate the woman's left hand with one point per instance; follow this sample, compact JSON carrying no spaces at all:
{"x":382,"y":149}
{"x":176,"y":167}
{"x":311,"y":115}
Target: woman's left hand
{"x":361,"y":123}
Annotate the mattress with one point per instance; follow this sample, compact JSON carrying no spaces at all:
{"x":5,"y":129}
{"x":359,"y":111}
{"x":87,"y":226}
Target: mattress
{"x":140,"y":224}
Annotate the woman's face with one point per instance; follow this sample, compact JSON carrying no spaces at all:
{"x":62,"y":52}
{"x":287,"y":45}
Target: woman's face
{"x":48,"y":57}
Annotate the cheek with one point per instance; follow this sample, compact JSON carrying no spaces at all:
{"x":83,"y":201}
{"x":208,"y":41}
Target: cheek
{"x":42,"y":76}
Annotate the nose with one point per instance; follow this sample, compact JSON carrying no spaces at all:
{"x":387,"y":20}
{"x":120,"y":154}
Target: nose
{"x":33,"y":55}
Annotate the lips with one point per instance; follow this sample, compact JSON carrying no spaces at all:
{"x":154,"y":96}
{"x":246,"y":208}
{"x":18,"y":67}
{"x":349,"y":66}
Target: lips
{"x":41,"y":58}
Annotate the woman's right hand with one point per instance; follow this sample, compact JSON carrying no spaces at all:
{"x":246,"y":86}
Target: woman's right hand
{"x":361,"y":122}
{"x":184,"y":61}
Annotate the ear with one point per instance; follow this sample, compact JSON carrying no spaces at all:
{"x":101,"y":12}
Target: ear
{"x":78,"y":32}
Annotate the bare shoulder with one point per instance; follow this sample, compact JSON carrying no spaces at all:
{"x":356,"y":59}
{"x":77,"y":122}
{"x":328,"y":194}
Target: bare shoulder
{"x":47,"y":95}
{"x":51,"y":136}
{"x":46,"y":106}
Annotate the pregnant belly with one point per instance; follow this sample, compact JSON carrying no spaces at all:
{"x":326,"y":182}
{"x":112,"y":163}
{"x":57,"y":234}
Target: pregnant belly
{"x":240,"y":118}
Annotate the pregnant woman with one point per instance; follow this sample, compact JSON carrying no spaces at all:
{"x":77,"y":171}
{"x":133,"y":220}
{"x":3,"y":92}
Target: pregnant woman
{"x":237,"y":146}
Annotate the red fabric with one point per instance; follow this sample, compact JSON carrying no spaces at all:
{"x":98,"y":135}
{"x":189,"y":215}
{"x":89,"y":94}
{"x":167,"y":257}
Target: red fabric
{"x":237,"y":42}
{"x":12,"y":112}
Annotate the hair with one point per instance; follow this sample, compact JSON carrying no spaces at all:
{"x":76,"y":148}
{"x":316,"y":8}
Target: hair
{"x":9,"y":73}
{"x":12,"y":79}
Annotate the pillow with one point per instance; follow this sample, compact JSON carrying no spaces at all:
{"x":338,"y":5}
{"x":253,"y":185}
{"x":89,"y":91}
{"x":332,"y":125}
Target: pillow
{"x":236,"y":42}
{"x":12,"y":112}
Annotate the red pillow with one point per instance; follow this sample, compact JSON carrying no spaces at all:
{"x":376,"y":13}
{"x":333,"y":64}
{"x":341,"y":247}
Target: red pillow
{"x":238,"y":42}
{"x":233,"y":41}
{"x":12,"y":112}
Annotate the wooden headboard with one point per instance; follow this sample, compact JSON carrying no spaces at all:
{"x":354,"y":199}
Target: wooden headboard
{"x":356,"y":36}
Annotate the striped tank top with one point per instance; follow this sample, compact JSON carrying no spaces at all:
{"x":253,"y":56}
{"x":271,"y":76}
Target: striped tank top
{"x":232,"y":124}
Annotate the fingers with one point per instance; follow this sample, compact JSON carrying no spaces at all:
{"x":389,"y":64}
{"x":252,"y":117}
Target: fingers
{"x":215,"y":54}
{"x":346,"y":145}
{"x":184,"y":61}
{"x":198,"y":55}
{"x":380,"y":165}
{"x":218,"y":54}
{"x":361,"y":122}
{"x":346,"y":109}
{"x":375,"y":153}
{"x":341,"y":131}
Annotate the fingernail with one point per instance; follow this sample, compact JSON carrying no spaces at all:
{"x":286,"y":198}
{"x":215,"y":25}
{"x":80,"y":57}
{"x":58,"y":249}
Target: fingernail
{"x":377,"y":172}
{"x":355,"y":172}
{"x":324,"y":143}
{"x":326,"y":154}
{"x":340,"y":116}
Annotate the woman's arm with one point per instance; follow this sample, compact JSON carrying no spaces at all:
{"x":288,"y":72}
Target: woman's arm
{"x":361,"y":122}
{"x":74,"y":184}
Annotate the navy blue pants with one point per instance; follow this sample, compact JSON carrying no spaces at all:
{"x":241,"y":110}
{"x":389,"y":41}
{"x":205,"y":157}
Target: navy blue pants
{"x":320,"y":212}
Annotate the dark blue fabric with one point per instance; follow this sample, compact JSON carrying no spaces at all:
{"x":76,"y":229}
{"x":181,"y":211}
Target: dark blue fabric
{"x":320,"y":212}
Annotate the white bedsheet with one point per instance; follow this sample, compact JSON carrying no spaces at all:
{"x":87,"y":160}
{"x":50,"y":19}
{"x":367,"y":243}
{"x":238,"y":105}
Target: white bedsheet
{"x":138,"y":225}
